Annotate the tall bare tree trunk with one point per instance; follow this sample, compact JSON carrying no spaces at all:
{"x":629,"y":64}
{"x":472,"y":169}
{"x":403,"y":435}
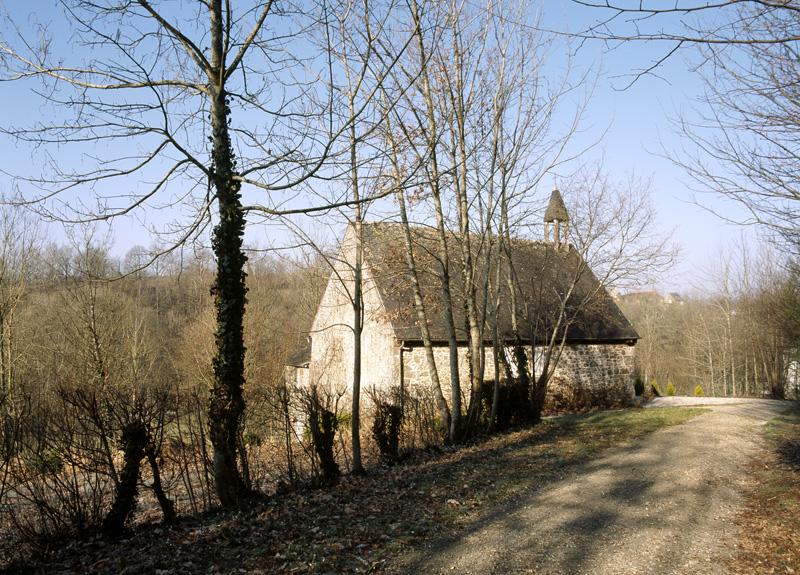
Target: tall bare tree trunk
{"x":5,"y":389}
{"x":419,"y":303}
{"x":496,"y":347}
{"x":432,"y":137}
{"x":356,"y":466}
{"x":459,"y":153}
{"x":732,"y":354}
{"x":520,"y":359}
{"x":101,"y":373}
{"x":358,"y":312}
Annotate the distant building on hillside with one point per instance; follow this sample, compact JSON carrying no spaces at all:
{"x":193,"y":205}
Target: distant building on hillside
{"x":653,"y":297}
{"x":297,"y":365}
{"x":792,"y":378}
{"x":673,"y":298}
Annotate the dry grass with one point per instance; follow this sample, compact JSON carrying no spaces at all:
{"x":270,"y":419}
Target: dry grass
{"x":769,"y":540}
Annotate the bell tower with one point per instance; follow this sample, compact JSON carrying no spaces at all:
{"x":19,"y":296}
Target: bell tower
{"x":556,"y":222}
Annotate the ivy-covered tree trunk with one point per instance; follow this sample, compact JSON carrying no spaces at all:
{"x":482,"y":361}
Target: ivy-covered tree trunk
{"x":523,"y":383}
{"x":227,"y":402}
{"x":538,"y":397}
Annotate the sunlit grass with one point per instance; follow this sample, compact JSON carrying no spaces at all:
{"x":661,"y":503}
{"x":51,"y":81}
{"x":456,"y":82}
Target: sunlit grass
{"x":530,"y":458}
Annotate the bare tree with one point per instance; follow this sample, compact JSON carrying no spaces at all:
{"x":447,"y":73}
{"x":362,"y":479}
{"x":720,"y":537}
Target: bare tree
{"x":428,"y":123}
{"x":476,"y":126}
{"x":355,"y":47}
{"x":18,"y":235}
{"x":413,"y":274}
{"x":195,"y":87}
{"x":743,"y":145}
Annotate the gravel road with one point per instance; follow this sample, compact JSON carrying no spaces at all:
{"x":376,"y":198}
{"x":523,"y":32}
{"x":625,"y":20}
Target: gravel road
{"x":663,"y":504}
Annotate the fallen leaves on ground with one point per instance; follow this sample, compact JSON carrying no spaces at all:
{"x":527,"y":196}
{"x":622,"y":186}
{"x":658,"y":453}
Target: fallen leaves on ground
{"x":769,"y":540}
{"x":359,"y":525}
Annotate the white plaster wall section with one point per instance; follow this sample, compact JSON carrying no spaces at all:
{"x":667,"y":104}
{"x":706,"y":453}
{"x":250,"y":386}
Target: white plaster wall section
{"x":332,"y":349}
{"x":331,"y":332}
{"x":380,"y":350}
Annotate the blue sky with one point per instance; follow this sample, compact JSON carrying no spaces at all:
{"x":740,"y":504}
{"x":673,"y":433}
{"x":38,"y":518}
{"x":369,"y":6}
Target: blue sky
{"x":633,"y":125}
{"x":640,"y":120}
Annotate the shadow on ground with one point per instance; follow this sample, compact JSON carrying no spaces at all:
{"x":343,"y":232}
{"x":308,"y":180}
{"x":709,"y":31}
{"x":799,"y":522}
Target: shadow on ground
{"x":663,"y":504}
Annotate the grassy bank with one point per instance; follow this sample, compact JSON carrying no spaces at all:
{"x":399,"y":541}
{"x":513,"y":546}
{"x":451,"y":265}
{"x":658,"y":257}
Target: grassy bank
{"x":360,"y":525}
{"x":769,"y":539}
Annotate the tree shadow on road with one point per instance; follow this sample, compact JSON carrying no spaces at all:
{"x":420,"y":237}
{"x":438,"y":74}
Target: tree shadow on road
{"x":639,"y":506}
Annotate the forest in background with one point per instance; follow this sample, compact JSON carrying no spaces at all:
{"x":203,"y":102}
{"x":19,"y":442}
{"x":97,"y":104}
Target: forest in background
{"x":738,"y":336}
{"x":91,"y":357}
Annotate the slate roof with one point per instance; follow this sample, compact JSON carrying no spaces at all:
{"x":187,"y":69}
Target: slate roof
{"x":544,"y":274}
{"x":556,"y":210}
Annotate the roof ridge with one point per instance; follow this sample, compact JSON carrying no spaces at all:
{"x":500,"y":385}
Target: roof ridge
{"x":433,"y":229}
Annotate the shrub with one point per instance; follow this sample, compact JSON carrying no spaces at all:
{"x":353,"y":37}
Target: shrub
{"x":422,"y":426}
{"x":638,"y":387}
{"x":343,"y":420}
{"x":386,"y":424}
{"x":698,"y":390}
{"x":45,"y":462}
{"x":513,"y":404}
{"x":566,"y":396}
{"x":655,"y":389}
{"x":670,"y":388}
{"x":322,"y":426}
{"x":252,"y":439}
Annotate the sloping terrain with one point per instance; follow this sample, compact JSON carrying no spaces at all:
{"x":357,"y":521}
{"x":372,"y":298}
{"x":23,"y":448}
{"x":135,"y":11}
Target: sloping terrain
{"x":368,"y":524}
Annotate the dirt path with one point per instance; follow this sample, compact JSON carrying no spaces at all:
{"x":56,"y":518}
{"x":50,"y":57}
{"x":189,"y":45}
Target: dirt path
{"x":663,"y":504}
